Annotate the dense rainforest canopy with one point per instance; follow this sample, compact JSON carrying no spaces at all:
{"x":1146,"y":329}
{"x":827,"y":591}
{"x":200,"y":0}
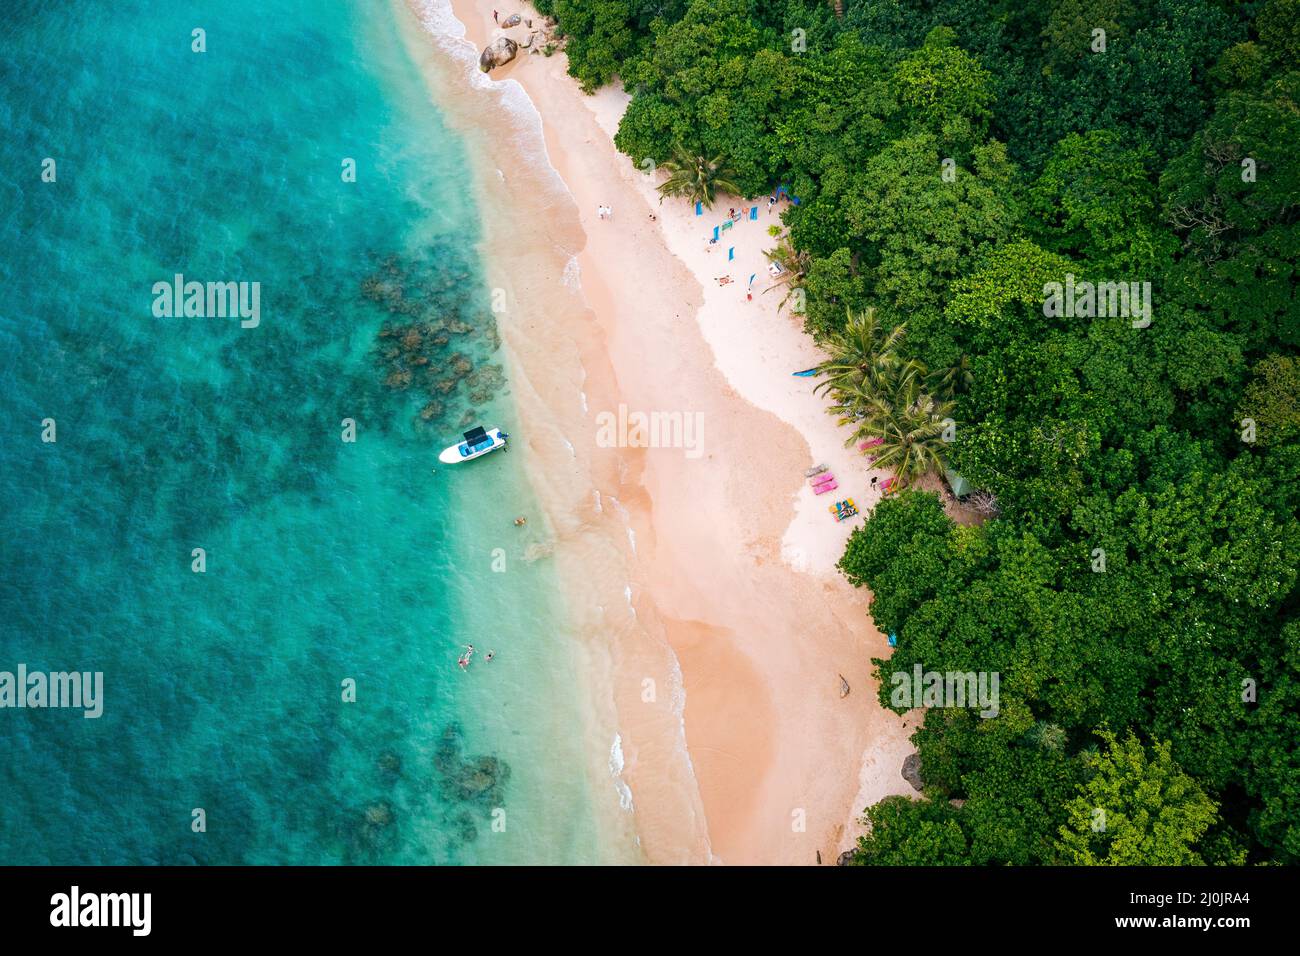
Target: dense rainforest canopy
{"x":1136,"y":587}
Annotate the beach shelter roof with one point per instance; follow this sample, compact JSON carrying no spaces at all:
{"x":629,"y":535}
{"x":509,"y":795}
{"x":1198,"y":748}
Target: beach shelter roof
{"x":959,"y":485}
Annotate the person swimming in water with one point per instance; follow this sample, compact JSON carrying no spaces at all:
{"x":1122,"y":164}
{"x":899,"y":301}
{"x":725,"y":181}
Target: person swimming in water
{"x":490,"y":655}
{"x":465,"y":658}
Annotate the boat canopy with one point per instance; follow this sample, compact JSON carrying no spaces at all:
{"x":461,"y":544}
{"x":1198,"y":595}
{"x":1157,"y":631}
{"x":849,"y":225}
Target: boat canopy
{"x":476,"y":435}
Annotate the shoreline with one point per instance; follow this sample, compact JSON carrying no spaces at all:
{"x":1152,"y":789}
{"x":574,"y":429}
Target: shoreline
{"x":776,"y":768}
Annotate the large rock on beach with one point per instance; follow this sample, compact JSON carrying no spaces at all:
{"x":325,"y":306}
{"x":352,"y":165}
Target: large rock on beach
{"x":912,"y":771}
{"x":497,"y":53}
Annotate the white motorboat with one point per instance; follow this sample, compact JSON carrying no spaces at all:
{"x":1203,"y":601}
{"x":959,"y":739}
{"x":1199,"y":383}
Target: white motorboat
{"x":478,"y":442}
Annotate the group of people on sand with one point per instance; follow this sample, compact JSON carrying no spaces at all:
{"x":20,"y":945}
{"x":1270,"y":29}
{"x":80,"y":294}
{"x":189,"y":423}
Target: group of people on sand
{"x":469,"y":655}
{"x":604,"y":212}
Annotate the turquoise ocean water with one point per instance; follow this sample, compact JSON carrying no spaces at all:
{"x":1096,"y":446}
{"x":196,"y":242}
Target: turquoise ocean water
{"x":326,"y":560}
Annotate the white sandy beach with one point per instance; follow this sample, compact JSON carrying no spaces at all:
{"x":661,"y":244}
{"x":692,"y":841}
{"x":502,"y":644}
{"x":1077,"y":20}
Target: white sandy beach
{"x":730,"y":556}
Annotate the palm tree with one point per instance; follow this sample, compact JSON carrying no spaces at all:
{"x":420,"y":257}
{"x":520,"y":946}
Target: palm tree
{"x":956,"y":379}
{"x":864,"y":357}
{"x":794,"y":261}
{"x":794,"y":264}
{"x":913,"y":435}
{"x":885,"y":396}
{"x":696,"y":177}
{"x":1047,"y":735}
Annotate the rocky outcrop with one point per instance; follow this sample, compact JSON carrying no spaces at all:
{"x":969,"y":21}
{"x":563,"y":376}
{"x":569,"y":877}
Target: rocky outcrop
{"x":846,"y":858}
{"x":477,"y":780}
{"x":498,"y":53}
{"x":511,"y":21}
{"x":912,"y":771}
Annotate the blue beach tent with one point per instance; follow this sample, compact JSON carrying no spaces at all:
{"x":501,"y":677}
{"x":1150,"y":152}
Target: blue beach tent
{"x":783,"y":191}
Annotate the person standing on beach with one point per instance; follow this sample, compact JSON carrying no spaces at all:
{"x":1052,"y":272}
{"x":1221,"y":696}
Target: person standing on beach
{"x":495,"y":18}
